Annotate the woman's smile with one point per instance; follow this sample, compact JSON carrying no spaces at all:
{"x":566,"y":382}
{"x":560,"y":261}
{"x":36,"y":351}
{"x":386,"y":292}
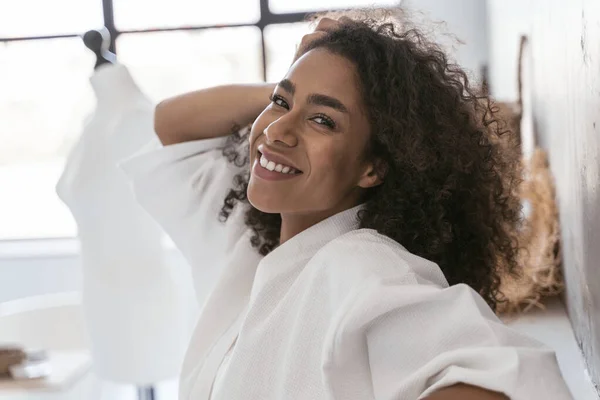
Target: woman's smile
{"x":270,"y":167}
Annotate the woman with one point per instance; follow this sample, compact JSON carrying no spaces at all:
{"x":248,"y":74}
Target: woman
{"x":365,"y":186}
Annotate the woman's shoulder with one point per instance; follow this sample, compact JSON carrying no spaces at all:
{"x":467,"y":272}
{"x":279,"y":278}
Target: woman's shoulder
{"x":369,"y":255}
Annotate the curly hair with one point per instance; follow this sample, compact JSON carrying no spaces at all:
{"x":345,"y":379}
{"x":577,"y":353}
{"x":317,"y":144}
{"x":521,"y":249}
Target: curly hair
{"x":448,"y":193}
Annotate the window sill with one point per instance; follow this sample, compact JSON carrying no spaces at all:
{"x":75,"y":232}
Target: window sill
{"x":39,"y":248}
{"x":553,"y":328}
{"x":65,"y":247}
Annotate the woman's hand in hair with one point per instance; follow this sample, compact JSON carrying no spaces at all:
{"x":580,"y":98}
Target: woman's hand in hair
{"x":323,"y":26}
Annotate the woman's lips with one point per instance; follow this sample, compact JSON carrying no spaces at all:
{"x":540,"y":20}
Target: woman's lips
{"x":268,"y":175}
{"x":272,"y":155}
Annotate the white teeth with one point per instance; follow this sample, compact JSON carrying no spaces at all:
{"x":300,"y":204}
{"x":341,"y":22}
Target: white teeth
{"x":263,"y":162}
{"x":271,"y":166}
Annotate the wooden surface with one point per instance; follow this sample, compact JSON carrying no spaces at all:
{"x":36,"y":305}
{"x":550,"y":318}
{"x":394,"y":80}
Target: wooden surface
{"x":67,"y":369}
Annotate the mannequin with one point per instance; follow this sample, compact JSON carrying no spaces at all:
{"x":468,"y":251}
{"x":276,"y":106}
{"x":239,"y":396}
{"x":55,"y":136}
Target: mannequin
{"x":99,"y":42}
{"x":136,"y":313}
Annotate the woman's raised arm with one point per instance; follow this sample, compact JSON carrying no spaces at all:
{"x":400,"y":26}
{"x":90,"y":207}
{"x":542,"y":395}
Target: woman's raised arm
{"x":209,"y":113}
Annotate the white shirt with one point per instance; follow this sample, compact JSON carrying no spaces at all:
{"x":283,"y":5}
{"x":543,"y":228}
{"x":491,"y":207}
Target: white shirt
{"x":336,"y":312}
{"x":220,"y":382}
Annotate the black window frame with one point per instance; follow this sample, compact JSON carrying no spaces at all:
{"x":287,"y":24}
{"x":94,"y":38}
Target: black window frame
{"x":266,"y":18}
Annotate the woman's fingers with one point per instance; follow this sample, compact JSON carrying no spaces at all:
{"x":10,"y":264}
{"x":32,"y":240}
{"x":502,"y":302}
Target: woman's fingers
{"x":306,"y":41}
{"x":309,"y":38}
{"x":326,"y":24}
{"x":344,"y":20}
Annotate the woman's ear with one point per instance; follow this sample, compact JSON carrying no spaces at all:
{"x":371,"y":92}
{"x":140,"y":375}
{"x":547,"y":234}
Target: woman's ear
{"x":373,"y":175}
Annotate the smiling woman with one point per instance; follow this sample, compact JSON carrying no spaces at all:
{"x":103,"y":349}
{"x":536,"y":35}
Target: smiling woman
{"x":362,"y":228}
{"x":316,"y":121}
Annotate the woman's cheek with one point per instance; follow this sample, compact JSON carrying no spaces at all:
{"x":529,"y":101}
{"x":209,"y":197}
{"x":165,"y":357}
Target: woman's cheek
{"x":258,"y":127}
{"x":330,"y":157}
{"x":260,"y":123}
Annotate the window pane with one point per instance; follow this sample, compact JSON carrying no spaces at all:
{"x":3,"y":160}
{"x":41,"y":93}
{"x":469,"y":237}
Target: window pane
{"x":169,"y":63}
{"x":286,"y":6}
{"x":44,"y":98}
{"x":143,"y":14}
{"x":19,"y":18}
{"x":281,"y":41}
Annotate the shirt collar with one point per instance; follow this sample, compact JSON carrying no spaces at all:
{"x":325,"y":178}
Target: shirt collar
{"x":305,"y":244}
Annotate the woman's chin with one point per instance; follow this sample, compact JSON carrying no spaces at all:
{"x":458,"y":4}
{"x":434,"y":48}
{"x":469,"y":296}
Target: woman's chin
{"x":263,"y":201}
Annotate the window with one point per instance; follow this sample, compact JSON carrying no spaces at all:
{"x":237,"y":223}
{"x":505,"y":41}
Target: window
{"x":168,"y":63}
{"x":170,"y":46}
{"x":280,"y":47}
{"x":44,"y":98}
{"x":287,"y":6}
{"x":23,"y":18}
{"x":143,"y":14}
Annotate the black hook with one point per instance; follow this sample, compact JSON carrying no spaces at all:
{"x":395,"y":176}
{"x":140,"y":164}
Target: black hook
{"x":99,"y":42}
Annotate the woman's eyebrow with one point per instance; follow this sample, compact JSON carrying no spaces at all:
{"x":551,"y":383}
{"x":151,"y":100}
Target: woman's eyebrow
{"x":315,"y":98}
{"x":327,"y":101}
{"x":288,"y":86}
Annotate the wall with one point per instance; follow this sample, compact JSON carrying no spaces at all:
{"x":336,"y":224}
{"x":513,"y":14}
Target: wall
{"x":565,"y":100}
{"x":507,"y":21}
{"x":466,"y":19}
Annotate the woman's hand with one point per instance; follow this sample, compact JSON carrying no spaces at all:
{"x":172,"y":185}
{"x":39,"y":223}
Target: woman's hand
{"x":325,"y":25}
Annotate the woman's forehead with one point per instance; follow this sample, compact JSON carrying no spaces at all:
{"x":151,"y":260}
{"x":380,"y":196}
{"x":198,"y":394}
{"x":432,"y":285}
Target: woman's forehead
{"x":319,"y":71}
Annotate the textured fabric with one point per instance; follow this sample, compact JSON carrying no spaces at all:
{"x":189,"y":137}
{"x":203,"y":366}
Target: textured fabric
{"x":220,"y":382}
{"x":336,"y":312}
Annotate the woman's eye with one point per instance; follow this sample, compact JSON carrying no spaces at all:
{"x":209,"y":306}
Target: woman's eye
{"x":324,"y":120}
{"x":280,"y":101}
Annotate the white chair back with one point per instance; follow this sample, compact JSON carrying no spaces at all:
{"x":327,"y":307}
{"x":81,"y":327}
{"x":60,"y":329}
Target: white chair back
{"x":51,"y":321}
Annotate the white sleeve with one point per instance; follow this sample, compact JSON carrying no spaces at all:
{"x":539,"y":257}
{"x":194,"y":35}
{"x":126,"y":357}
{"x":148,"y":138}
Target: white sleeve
{"x":182,"y":186}
{"x":421,"y":338}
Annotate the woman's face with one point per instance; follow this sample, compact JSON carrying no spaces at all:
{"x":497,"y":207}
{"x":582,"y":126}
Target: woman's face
{"x":307,"y":146}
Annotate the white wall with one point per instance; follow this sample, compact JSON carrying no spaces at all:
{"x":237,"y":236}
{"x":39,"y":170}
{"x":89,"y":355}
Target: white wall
{"x":565,"y":103}
{"x":466,"y":19}
{"x":507,"y":21}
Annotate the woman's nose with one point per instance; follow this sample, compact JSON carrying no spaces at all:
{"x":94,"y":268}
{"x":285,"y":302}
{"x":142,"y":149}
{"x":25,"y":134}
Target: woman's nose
{"x":282,"y":131}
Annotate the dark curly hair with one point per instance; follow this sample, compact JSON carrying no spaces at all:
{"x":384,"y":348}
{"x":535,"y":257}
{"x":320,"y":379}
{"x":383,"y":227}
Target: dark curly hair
{"x":448,"y":191}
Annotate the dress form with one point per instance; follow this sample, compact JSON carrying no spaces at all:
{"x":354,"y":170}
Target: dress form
{"x":136,"y":314}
